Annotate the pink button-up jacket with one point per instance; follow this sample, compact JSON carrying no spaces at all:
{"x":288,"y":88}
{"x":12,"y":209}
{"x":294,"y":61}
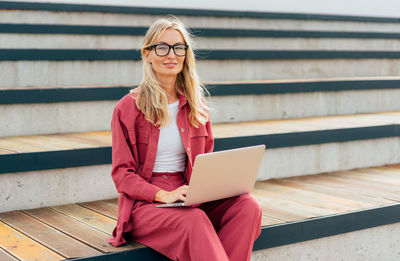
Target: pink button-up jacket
{"x":134,"y":148}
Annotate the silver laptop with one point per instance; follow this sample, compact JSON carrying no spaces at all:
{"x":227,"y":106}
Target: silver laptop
{"x":222,"y":174}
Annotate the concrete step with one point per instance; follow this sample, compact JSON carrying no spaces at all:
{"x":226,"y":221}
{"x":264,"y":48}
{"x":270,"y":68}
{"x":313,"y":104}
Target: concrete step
{"x":75,"y":14}
{"x":47,"y":67}
{"x":50,"y":36}
{"x":32,"y":111}
{"x":350,"y":211}
{"x":76,"y":167}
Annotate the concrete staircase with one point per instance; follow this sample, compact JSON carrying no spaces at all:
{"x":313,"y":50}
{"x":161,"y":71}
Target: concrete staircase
{"x":322,"y":92}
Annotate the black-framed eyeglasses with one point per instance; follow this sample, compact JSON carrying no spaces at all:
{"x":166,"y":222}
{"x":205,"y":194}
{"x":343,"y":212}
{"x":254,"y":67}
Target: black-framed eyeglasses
{"x":164,"y":49}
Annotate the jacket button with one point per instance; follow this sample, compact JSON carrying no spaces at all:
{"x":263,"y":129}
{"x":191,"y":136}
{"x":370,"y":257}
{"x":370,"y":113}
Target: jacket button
{"x":164,"y":176}
{"x":182,"y":130}
{"x":188,"y":149}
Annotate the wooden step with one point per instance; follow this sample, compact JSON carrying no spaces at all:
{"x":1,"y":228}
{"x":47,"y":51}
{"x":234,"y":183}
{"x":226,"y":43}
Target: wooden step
{"x":50,"y":36}
{"x":40,"y":150}
{"x":49,"y":67}
{"x":89,"y":108}
{"x":294,"y":210}
{"x":99,"y":139}
{"x":59,"y":13}
{"x":76,"y":93}
{"x":66,"y":29}
{"x":310,"y":145}
{"x":61,"y":55}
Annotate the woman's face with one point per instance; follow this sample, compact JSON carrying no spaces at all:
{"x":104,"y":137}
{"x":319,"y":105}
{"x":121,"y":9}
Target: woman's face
{"x":171,"y":64}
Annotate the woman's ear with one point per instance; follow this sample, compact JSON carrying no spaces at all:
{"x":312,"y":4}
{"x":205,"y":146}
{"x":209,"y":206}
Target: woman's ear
{"x":147,"y":56}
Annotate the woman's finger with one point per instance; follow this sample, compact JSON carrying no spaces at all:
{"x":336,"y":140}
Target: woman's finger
{"x":181,"y":197}
{"x":184,"y":187}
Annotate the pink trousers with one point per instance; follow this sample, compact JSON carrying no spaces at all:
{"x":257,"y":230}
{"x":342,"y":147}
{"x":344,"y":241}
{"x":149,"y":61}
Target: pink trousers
{"x":219,"y":230}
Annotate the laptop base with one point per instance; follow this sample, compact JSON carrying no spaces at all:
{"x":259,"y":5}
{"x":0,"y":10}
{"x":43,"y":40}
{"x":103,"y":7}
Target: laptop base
{"x":171,"y":205}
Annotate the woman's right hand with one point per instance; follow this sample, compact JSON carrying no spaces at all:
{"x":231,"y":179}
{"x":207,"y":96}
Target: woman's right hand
{"x":178,"y":194}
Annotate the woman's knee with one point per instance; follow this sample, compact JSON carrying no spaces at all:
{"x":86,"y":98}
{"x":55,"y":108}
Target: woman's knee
{"x":249,"y":205}
{"x":196,"y":217}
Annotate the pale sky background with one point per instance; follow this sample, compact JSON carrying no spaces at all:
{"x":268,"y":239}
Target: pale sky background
{"x":379,"y":8}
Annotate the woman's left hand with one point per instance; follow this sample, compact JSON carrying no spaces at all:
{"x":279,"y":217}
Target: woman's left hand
{"x":178,"y":194}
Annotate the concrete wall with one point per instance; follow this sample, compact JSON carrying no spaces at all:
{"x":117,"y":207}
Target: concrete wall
{"x":378,"y":243}
{"x":388,"y":8}
{"x":35,"y":189}
{"x":69,"y":73}
{"x":59,"y":41}
{"x":93,"y":18}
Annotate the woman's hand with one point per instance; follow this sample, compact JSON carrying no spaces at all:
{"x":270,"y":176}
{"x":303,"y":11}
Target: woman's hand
{"x":171,"y":196}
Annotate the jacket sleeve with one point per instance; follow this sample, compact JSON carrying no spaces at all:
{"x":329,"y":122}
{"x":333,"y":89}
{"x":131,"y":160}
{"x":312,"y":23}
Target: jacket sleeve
{"x":124,"y":165}
{"x":209,"y":145}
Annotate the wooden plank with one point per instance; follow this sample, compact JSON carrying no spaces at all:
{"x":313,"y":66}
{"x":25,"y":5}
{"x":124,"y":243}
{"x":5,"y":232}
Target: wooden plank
{"x":325,"y":187}
{"x":36,"y":143}
{"x":276,"y":207}
{"x":6,"y":151}
{"x":357,"y":179}
{"x":51,"y":142}
{"x":113,"y":201}
{"x":392,"y":172}
{"x":102,"y":207}
{"x":56,"y":142}
{"x":391,"y":168}
{"x":396,"y":166}
{"x":287,"y":214}
{"x":18,"y":144}
{"x":4,"y":256}
{"x":97,"y":138}
{"x":47,"y":236}
{"x":278,"y":210}
{"x":304,"y":124}
{"x":24,"y":247}
{"x":380,"y":176}
{"x":267,"y":221}
{"x":78,"y":230}
{"x":360,"y":187}
{"x":88,"y":217}
{"x":310,"y":199}
{"x":388,"y":171}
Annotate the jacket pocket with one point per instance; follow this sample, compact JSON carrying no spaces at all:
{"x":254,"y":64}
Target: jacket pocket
{"x":142,"y":136}
{"x":142,"y":141}
{"x":139,"y":139}
{"x":132,"y":137}
{"x":197,"y":138}
{"x":201,"y":131}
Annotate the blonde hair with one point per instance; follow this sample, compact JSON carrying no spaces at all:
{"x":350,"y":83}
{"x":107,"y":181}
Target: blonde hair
{"x":151,"y":98}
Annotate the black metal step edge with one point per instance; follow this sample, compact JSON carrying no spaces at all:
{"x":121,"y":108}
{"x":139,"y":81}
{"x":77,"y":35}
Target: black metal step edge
{"x":54,"y":95}
{"x":18,"y":162}
{"x":199,"y":32}
{"x":289,"y":233}
{"x":134,"y":55}
{"x":189,"y":12}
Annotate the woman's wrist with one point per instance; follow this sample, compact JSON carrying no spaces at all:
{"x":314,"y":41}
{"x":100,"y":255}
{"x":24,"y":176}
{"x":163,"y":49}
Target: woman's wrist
{"x":159,"y":195}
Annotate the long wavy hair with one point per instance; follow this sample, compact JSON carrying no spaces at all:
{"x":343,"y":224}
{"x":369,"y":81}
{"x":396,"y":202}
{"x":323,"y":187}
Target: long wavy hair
{"x":151,"y":99}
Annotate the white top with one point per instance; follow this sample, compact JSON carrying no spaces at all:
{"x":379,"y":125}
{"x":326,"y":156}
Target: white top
{"x":171,"y":155}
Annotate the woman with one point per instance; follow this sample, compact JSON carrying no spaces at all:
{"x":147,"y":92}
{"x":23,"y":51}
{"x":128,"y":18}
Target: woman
{"x":157,"y":131}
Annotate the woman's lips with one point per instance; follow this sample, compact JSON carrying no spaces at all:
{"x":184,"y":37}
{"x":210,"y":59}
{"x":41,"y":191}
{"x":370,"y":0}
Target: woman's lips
{"x":170,"y":65}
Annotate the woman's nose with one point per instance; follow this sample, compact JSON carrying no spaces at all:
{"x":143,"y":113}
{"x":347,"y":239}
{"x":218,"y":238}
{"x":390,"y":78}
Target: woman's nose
{"x":171,"y":53}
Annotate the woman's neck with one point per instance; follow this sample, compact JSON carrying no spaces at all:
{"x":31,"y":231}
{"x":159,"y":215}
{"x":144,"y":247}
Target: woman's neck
{"x":168,"y":85}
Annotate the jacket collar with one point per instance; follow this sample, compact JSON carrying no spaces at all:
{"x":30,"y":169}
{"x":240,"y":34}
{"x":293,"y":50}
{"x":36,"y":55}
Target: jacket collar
{"x":182,"y":100}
